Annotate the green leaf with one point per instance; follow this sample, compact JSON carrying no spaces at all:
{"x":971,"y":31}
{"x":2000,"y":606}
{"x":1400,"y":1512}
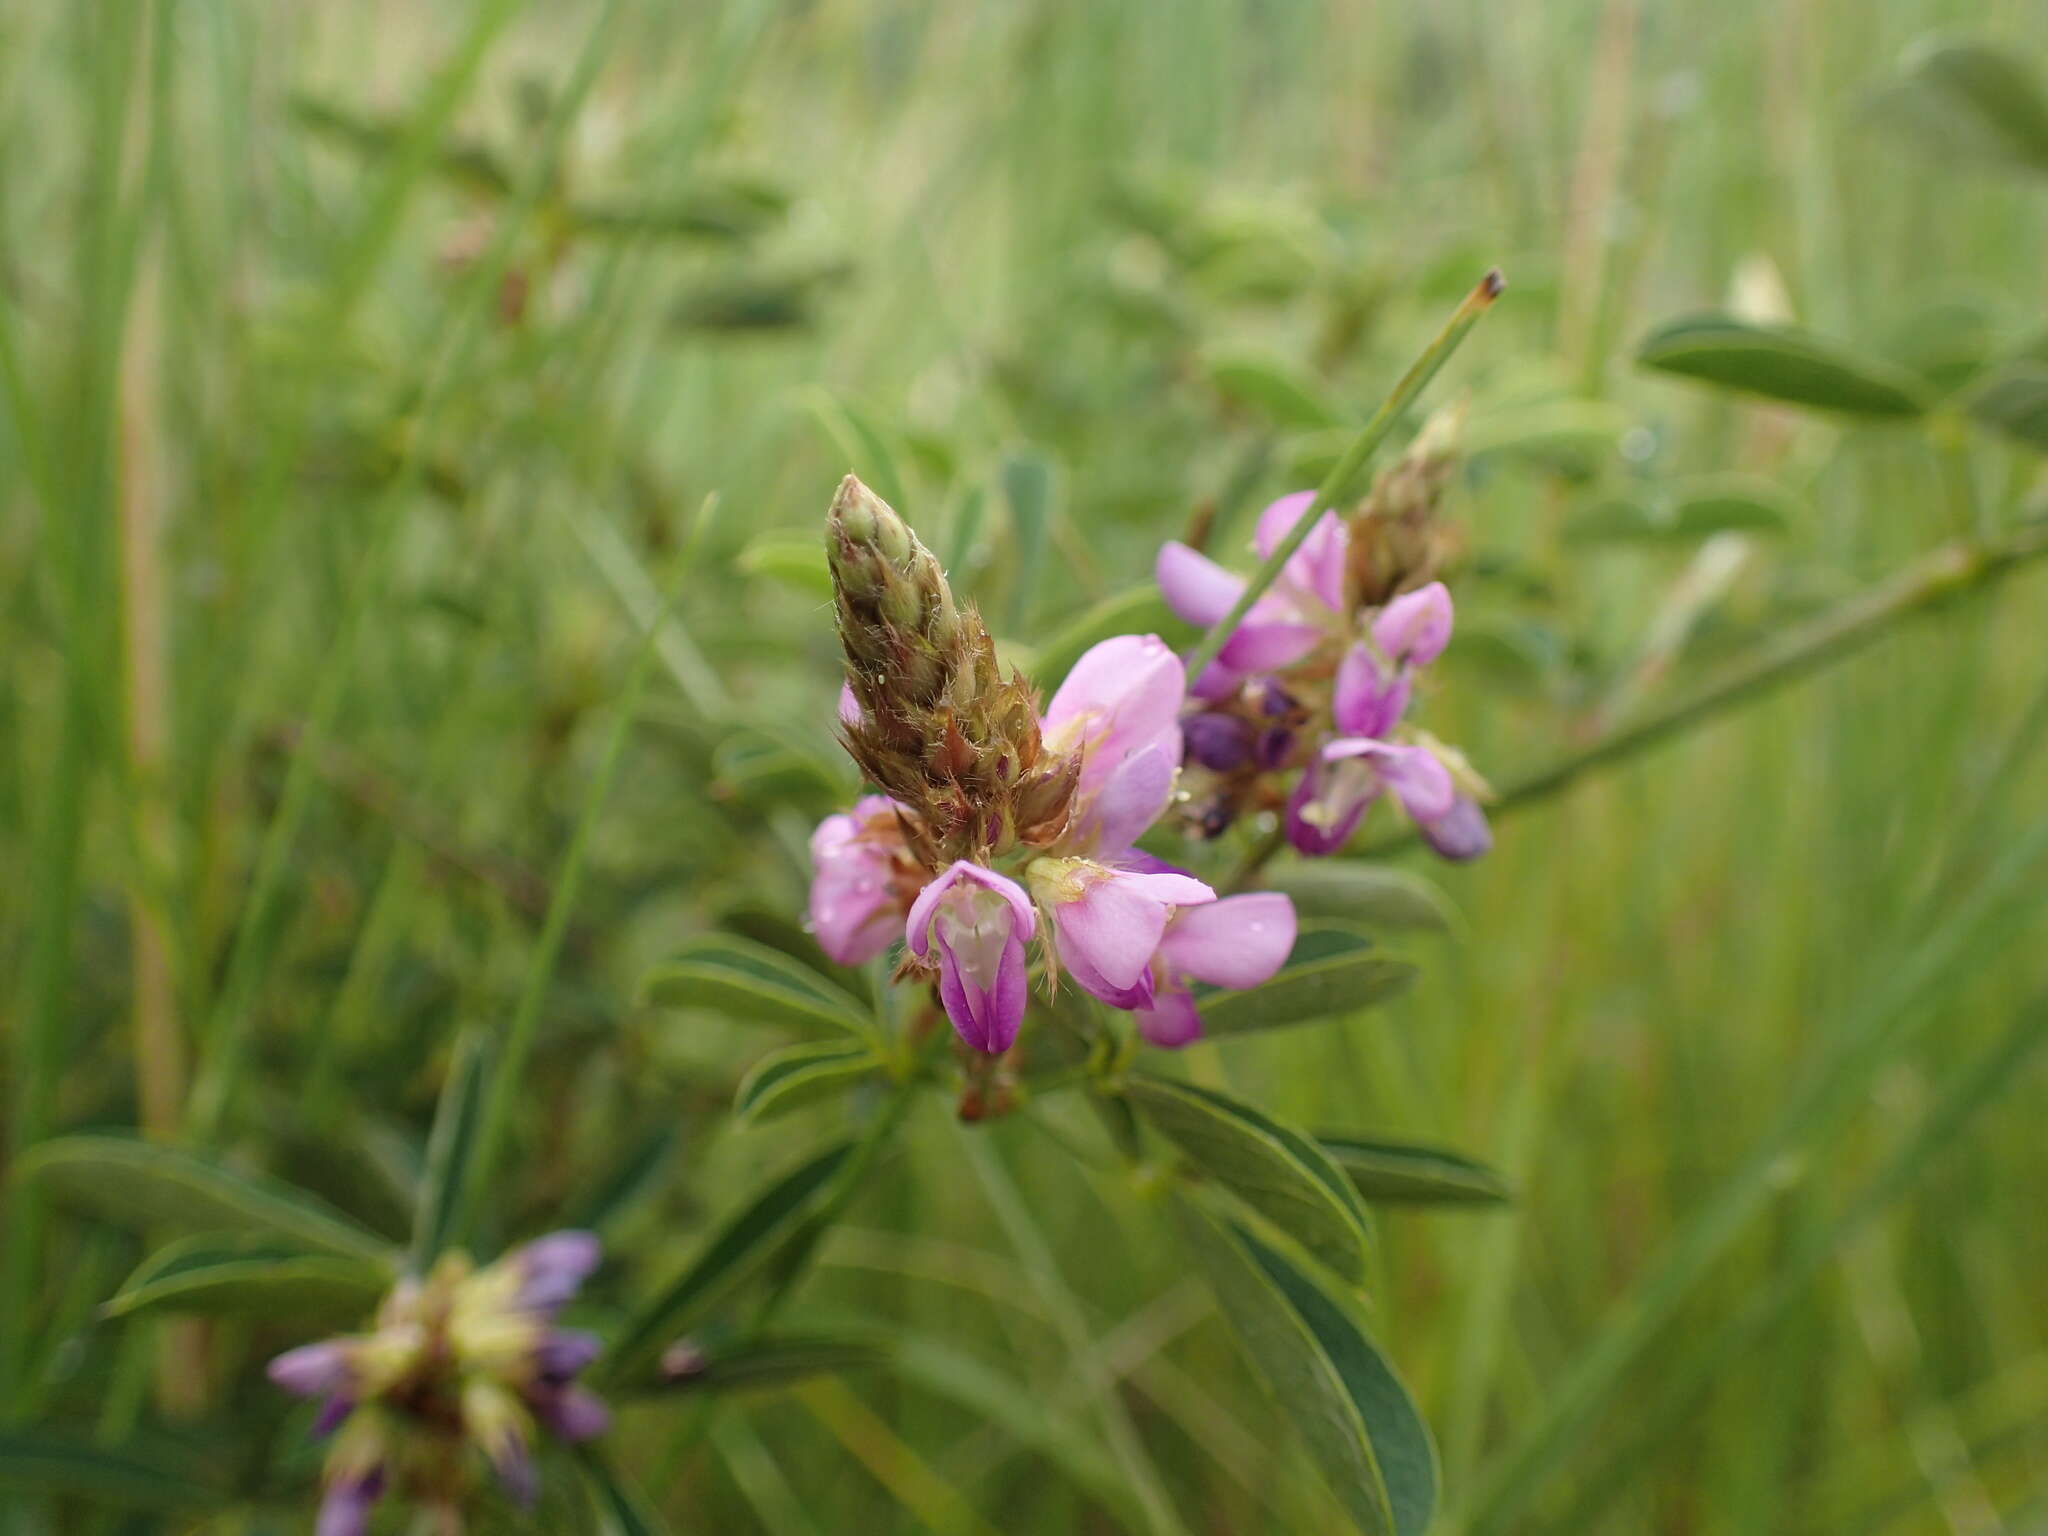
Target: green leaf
{"x":1546,"y":430}
{"x":47,"y":1462}
{"x":250,"y":1276}
{"x":775,"y":1218}
{"x":1402,"y":1173}
{"x":1686,"y":512}
{"x":1331,"y":972}
{"x":618,"y":1506}
{"x":794,"y":561}
{"x":1782,"y":363}
{"x":1273,"y":390}
{"x":144,"y":1187}
{"x":1356,"y":1418}
{"x":1371,"y":895}
{"x":750,"y":981}
{"x":1966,"y":98}
{"x":1139,"y":611}
{"x":2014,"y":401}
{"x":444,"y":1184}
{"x":803,"y":1074}
{"x":779,"y":1359}
{"x":1276,"y":1170}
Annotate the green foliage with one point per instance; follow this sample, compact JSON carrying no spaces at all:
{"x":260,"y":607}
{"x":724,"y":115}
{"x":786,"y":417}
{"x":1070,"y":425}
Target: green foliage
{"x":1782,"y":363}
{"x":802,"y":1074}
{"x":750,"y":981}
{"x":1399,"y":1173}
{"x":1331,"y":974}
{"x":251,"y":1277}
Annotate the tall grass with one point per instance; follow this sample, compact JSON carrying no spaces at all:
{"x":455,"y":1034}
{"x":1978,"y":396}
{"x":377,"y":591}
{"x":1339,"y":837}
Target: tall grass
{"x":326,"y":573}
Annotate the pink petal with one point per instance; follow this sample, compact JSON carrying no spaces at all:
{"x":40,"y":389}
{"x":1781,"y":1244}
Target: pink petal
{"x":1107,"y":934}
{"x":1416,"y":626}
{"x":849,"y":706}
{"x":1278,"y":520}
{"x":917,"y":929}
{"x":1171,"y":1020}
{"x":1261,"y":645}
{"x":1133,"y":797}
{"x":1317,"y":569}
{"x":1459,"y":834}
{"x":1194,"y":586}
{"x":1326,"y":807}
{"x":986,"y":1012}
{"x":312,"y":1370}
{"x":1367,"y":702}
{"x":1422,"y":784}
{"x":1123,"y":697}
{"x":1237,"y":942}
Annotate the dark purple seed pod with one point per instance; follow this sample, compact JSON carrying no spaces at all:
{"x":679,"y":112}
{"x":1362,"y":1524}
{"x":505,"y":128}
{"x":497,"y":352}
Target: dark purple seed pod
{"x":1274,"y":748}
{"x":1275,"y":700}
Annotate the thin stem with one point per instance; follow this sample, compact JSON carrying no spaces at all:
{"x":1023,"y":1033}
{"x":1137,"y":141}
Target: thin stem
{"x":1413,"y":382}
{"x":518,"y":1042}
{"x":1953,"y":571}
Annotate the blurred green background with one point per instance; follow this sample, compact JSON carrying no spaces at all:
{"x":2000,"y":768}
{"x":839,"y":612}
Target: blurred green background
{"x":372,"y":372}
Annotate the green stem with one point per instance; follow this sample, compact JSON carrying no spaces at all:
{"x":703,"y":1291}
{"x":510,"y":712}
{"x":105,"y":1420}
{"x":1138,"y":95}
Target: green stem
{"x":1413,"y":382}
{"x":1953,"y":571}
{"x":510,"y":1068}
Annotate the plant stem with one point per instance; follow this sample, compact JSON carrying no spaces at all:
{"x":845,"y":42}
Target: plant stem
{"x":1952,"y":571}
{"x":1412,"y":383}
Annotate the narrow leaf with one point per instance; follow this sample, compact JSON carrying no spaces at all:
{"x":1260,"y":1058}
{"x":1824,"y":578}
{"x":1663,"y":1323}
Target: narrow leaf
{"x":1273,"y":390}
{"x":450,"y":1146}
{"x":38,"y":1461}
{"x":150,"y":1188}
{"x":1782,"y":363}
{"x":803,"y":1074}
{"x":254,"y":1277}
{"x":750,"y":981}
{"x":1277,"y":1171}
{"x":619,"y":1507}
{"x":780,"y":1359}
{"x":2014,"y":402}
{"x":741,"y":1248}
{"x":1028,"y":481}
{"x":1967,"y":98}
{"x":1370,"y":895}
{"x":1402,"y":1173}
{"x":1330,"y":973}
{"x":1356,"y":1418}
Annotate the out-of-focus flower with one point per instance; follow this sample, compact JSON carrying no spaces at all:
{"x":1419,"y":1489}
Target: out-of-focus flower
{"x":979,"y":921}
{"x":1302,"y":607}
{"x":1237,"y":942}
{"x":466,"y":1358}
{"x":1108,"y":919}
{"x":863,"y":879}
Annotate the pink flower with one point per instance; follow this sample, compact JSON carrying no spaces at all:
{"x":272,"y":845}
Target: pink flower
{"x":1108,"y":919}
{"x":1292,"y":616}
{"x":1119,"y":711}
{"x":980,"y":922}
{"x":1237,"y":942}
{"x":858,"y":863}
{"x":1336,"y":790}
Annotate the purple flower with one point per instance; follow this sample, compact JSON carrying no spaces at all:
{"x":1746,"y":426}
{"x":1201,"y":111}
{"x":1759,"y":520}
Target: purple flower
{"x":1303,"y":605}
{"x":981,"y":922}
{"x":1237,"y":942}
{"x":1415,"y":627}
{"x":1336,"y":790}
{"x":564,"y":1352}
{"x":1461,"y":833}
{"x":1108,"y":919}
{"x":573,"y":1413}
{"x":553,"y":1268}
{"x":1119,"y":712}
{"x":855,"y":895}
{"x":312,"y":1370}
{"x":345,"y":1508}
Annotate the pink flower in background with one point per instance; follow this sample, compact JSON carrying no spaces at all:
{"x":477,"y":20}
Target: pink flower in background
{"x":861,"y":874}
{"x":1108,"y":919}
{"x":1302,"y":607}
{"x":980,"y":922}
{"x":1119,"y":712}
{"x":1237,"y":942}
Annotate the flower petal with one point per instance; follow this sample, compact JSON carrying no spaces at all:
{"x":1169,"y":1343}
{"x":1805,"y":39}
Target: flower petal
{"x":1195,"y":587}
{"x":312,"y":1370}
{"x":1461,"y":833}
{"x":917,"y":930}
{"x":1278,"y":520}
{"x":1129,"y":801}
{"x":564,"y":1352}
{"x":345,"y":1509}
{"x":1171,"y":1020}
{"x":552,"y":1268}
{"x":1262,"y":644}
{"x":1237,"y":942}
{"x":1416,"y":626}
{"x":573,"y":1413}
{"x":1327,"y":805}
{"x":986,"y":1012}
{"x":1367,"y":702}
{"x":853,"y":903}
{"x":1422,"y":784}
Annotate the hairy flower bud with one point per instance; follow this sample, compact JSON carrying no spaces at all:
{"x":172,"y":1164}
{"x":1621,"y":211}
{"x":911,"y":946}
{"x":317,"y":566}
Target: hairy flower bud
{"x":1398,"y":542}
{"x":935,"y":724}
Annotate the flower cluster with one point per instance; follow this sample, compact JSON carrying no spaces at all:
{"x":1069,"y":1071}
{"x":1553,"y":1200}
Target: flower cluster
{"x":977,"y":781}
{"x":465,"y":1357}
{"x":1316,"y":680}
